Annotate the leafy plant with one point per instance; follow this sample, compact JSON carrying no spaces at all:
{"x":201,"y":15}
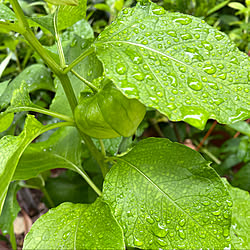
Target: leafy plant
{"x":156,"y":193}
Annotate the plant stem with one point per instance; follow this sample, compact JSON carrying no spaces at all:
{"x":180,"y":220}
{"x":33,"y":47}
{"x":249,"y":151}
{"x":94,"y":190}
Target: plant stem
{"x":96,"y":153}
{"x":89,"y":181}
{"x":42,"y":111}
{"x":89,"y":84}
{"x":48,"y":198}
{"x":79,"y":59}
{"x":102,"y":148}
{"x":59,"y":45}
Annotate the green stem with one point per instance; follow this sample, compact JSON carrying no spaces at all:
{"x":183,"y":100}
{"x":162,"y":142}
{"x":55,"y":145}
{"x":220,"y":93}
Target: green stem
{"x":102,"y":148}
{"x":96,"y":153}
{"x":89,"y":84}
{"x":59,"y":45}
{"x":42,"y":111}
{"x":89,"y":181}
{"x":47,"y":197}
{"x":209,"y":154}
{"x":79,"y":59}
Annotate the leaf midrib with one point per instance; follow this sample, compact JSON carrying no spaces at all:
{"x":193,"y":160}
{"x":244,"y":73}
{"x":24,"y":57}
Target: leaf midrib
{"x":166,"y":195}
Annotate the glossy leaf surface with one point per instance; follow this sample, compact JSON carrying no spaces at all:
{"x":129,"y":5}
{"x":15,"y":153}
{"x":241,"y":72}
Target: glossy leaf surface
{"x":168,"y":198}
{"x":61,"y":150}
{"x":240,"y":218}
{"x":177,"y":64}
{"x":109,"y":114}
{"x":76,"y":226}
{"x":11,"y":149}
{"x":6,"y":14}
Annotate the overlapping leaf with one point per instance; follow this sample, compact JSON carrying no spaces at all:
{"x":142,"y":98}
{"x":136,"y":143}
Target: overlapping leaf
{"x":168,"y":198}
{"x":36,"y":76}
{"x":11,"y":149}
{"x":61,"y":150}
{"x":76,"y":226}
{"x":177,"y":64}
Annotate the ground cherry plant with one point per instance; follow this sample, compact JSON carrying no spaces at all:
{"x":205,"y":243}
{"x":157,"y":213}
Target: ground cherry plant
{"x":158,"y":194}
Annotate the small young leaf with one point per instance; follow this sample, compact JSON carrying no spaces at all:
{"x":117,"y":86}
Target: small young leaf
{"x":237,"y":6}
{"x":166,"y":196}
{"x":242,"y":127}
{"x":177,"y":64}
{"x":11,"y":149}
{"x":36,"y":76}
{"x":76,"y":226}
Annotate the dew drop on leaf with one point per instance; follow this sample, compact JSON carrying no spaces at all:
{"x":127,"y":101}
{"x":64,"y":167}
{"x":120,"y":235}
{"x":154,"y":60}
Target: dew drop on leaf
{"x":211,"y":69}
{"x":194,"y":84}
{"x":158,"y":10}
{"x":139,"y":76}
{"x":183,"y":20}
{"x":121,"y":68}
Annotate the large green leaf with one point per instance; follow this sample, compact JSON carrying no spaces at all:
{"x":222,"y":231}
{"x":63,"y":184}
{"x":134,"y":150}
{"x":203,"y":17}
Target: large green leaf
{"x":11,"y":149}
{"x":240,"y":218}
{"x":76,"y":226}
{"x":36,"y":76}
{"x":177,"y":64}
{"x":61,"y":150}
{"x":165,"y":195}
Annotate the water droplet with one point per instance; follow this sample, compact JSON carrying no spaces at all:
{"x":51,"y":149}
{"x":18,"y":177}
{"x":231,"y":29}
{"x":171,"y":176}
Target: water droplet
{"x":66,"y":235}
{"x":207,"y":45}
{"x":205,"y":203}
{"x":137,"y":242}
{"x":173,"y":80}
{"x":223,"y":76}
{"x":150,"y":220}
{"x":217,"y":212}
{"x":182,"y":222}
{"x":142,"y":26}
{"x":183,"y":20}
{"x":186,"y":36}
{"x":158,"y":10}
{"x":218,"y":100}
{"x":121,"y":68}
{"x":73,"y":43}
{"x":160,"y":94}
{"x":162,"y":242}
{"x":211,"y":69}
{"x":145,"y":42}
{"x":182,"y":69}
{"x":219,"y":36}
{"x":213,"y":85}
{"x":182,"y":234}
{"x":234,"y":60}
{"x":139,"y":76}
{"x":172,"y":33}
{"x":175,"y":91}
{"x":194,"y":84}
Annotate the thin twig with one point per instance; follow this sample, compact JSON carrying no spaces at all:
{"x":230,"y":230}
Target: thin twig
{"x":206,"y":136}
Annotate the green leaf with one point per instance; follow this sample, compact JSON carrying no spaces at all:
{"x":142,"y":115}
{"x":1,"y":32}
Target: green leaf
{"x":37,"y":76}
{"x":242,"y":178}
{"x":3,"y":86}
{"x":43,"y":21}
{"x":63,"y":2}
{"x":68,"y":15}
{"x":61,"y":150}
{"x":111,"y":145}
{"x":6,"y":14}
{"x":237,"y":6}
{"x":5,"y":120}
{"x":10,"y":209}
{"x":240,"y":217}
{"x":165,"y":195}
{"x":76,"y":226}
{"x":177,"y":64}
{"x":11,"y":149}
{"x":242,"y":127}
{"x":89,"y":68}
